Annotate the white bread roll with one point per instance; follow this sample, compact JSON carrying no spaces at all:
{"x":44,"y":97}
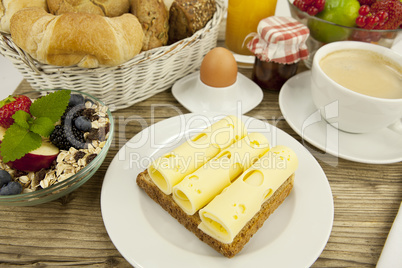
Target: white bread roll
{"x":82,"y":39}
{"x":9,"y":7}
{"x":108,"y":8}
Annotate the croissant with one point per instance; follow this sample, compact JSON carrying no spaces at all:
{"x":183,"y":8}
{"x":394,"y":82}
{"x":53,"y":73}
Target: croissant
{"x":86,"y":40}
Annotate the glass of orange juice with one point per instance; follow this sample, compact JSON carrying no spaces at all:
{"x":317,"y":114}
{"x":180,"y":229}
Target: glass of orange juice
{"x":242,"y":19}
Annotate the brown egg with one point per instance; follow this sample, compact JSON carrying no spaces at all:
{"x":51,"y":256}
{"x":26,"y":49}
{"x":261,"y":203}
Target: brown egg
{"x":218,"y":68}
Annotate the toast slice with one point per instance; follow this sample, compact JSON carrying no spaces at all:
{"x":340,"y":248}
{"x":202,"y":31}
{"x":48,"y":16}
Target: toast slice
{"x":145,"y":182}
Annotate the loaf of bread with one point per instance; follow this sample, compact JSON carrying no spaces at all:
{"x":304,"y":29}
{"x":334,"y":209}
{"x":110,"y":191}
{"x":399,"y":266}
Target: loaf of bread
{"x":109,"y":8}
{"x":82,"y":39}
{"x":154,"y":18}
{"x":191,"y":222}
{"x":9,"y":7}
{"x":188,"y":16}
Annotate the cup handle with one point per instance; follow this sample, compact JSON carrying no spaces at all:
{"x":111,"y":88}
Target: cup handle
{"x":397,"y":126}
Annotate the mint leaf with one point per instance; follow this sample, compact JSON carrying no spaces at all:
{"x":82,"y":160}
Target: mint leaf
{"x":43,"y":126}
{"x":22,"y":118}
{"x":52,"y":105}
{"x":17,"y":142}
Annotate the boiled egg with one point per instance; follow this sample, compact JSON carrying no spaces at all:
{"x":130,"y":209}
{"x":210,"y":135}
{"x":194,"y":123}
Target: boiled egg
{"x":218,"y":68}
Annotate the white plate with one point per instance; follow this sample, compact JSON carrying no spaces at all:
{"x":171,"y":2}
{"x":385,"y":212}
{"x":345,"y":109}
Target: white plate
{"x":248,"y":96}
{"x":296,"y":104}
{"x":147,"y":236}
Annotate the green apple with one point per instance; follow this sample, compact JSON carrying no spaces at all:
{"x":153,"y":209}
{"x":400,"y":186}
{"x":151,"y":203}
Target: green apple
{"x":341,"y":12}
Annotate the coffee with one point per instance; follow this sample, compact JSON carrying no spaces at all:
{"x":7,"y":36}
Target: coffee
{"x":364,"y":72}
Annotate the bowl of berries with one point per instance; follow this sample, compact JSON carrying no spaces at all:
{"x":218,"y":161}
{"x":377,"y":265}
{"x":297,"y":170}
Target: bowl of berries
{"x":51,"y":142}
{"x":373,"y":21}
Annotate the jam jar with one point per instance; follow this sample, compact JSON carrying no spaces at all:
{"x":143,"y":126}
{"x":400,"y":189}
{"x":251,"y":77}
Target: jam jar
{"x":271,"y":75}
{"x":278,"y":46}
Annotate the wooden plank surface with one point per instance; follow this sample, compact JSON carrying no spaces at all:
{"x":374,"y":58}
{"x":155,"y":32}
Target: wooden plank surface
{"x":70,"y":231}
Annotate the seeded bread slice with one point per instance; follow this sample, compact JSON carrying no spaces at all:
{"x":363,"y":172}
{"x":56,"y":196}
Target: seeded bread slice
{"x":191,"y":222}
{"x":188,"y":16}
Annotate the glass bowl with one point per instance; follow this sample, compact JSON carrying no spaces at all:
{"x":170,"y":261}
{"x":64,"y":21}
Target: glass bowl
{"x":323,"y":32}
{"x":70,"y":184}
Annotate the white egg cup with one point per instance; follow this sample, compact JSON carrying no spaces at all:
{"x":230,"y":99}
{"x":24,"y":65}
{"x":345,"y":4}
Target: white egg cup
{"x":216,"y":98}
{"x":240,"y":97}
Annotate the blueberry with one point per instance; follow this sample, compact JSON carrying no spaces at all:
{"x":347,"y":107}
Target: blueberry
{"x":11,"y":188}
{"x":76,"y":99}
{"x":5,"y":177}
{"x":83,"y":123}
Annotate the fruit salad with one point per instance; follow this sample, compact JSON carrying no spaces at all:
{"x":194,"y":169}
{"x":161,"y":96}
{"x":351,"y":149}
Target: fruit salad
{"x":47,"y":140}
{"x":367,"y":14}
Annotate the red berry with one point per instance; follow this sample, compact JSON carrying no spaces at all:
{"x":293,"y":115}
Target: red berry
{"x":364,"y":10}
{"x":10,"y":105}
{"x":312,"y":10}
{"x":312,"y":7}
{"x":320,"y":4}
{"x":383,"y":16}
{"x":372,"y":21}
{"x":361,"y":21}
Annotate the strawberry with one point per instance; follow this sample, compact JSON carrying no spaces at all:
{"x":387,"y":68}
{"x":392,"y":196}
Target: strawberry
{"x":394,"y":12}
{"x":10,"y":105}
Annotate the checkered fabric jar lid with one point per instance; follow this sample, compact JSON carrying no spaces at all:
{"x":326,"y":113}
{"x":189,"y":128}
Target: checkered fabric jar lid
{"x":281,"y":40}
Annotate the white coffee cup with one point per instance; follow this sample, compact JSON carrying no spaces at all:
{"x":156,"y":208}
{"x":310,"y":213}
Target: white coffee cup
{"x":346,"y":109}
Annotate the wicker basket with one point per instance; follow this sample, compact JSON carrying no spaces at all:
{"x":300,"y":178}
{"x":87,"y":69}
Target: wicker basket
{"x":119,"y":87}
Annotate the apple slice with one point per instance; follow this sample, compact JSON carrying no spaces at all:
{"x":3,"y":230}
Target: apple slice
{"x":36,"y":159}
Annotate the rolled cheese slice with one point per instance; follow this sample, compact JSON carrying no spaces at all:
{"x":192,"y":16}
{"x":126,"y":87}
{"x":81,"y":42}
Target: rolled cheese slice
{"x":171,"y":168}
{"x":200,"y":187}
{"x":229,"y":212}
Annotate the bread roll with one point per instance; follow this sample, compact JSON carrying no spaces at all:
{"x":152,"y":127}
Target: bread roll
{"x":154,"y":18}
{"x":82,"y":39}
{"x":188,"y":16}
{"x":9,"y":7}
{"x":109,"y":8}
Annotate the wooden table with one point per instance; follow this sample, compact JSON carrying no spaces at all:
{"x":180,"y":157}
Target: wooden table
{"x":70,"y":231}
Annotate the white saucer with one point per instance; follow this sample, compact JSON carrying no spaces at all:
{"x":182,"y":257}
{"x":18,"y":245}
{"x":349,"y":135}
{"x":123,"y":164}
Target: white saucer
{"x":295,"y":101}
{"x":147,"y":236}
{"x":249,"y":95}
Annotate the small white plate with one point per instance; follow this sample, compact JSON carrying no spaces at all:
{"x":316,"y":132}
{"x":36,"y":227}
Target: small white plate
{"x":147,"y":236}
{"x":296,"y":104}
{"x":248,"y":96}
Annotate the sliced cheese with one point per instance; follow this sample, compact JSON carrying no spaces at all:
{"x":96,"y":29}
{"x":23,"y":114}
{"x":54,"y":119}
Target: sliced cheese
{"x":170,"y":169}
{"x":200,"y":187}
{"x":229,"y":212}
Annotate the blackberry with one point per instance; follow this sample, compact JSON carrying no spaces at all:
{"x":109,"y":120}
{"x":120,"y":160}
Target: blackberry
{"x":64,"y":137}
{"x":72,"y":113}
{"x":67,"y":135}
